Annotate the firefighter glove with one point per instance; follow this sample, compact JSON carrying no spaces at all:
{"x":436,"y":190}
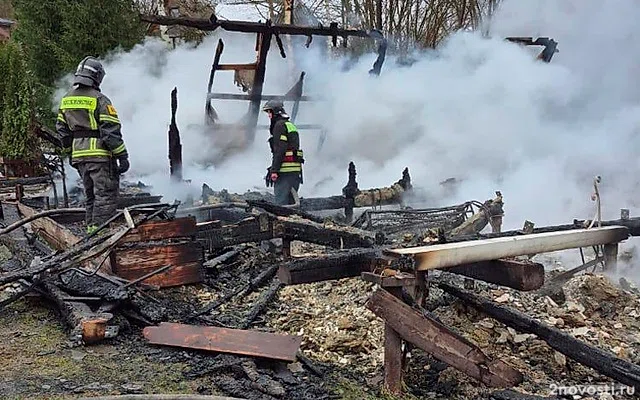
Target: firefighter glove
{"x":123,"y":165}
{"x":267,"y":179}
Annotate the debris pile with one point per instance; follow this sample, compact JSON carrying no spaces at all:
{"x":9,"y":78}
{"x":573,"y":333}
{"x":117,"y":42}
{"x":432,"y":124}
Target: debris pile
{"x":266,"y":301}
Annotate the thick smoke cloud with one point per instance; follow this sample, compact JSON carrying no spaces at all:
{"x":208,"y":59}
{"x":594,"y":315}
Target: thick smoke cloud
{"x":481,"y":110}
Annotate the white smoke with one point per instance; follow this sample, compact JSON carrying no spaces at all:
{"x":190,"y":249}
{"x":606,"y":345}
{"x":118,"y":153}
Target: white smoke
{"x":481,"y":110}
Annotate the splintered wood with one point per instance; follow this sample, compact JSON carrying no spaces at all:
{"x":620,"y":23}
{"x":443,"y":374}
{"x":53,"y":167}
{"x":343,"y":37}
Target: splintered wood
{"x":234,"y":341}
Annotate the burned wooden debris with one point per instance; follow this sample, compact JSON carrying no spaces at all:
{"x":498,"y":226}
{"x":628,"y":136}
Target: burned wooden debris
{"x":266,"y":226}
{"x":127,"y":272}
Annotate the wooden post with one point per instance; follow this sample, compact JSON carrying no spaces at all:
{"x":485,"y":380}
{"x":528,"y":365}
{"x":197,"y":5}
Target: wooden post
{"x":393,"y":353}
{"x":349,"y":192}
{"x":286,"y":248}
{"x":611,"y":257}
{"x":19,"y":192}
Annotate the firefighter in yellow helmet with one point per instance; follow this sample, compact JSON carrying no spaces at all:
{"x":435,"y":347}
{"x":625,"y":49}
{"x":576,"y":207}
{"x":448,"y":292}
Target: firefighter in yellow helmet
{"x":90,"y":129}
{"x":285,"y":172}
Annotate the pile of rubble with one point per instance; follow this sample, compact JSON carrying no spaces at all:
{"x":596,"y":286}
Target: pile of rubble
{"x":278,"y":302}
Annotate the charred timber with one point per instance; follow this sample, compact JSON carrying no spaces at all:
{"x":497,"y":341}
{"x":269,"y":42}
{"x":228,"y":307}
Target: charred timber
{"x":110,"y":290}
{"x":633,"y":224}
{"x":175,"y":147}
{"x":338,"y":265}
{"x":604,"y":362}
{"x":283,"y":211}
{"x":520,"y":275}
{"x":256,"y":282}
{"x":266,"y":227}
{"x":36,"y":180}
{"x":86,"y":326}
{"x":213,"y":23}
{"x":267,"y":297}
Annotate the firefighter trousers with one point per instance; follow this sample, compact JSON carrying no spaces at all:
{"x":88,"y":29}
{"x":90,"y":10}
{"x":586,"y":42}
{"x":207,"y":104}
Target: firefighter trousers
{"x":283,"y":185}
{"x":101,"y":186}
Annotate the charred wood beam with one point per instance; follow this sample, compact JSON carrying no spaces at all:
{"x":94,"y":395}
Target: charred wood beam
{"x":36,"y":180}
{"x":109,"y":289}
{"x":265,"y":227}
{"x":282,"y":210}
{"x":256,"y":282}
{"x":436,"y":339}
{"x":216,"y":64}
{"x":520,"y":275}
{"x":265,"y":299}
{"x":602,"y":361}
{"x":332,"y":236}
{"x":86,"y":326}
{"x":633,"y":224}
{"x":223,"y":258}
{"x":175,"y":147}
{"x":322,"y":203}
{"x":213,"y":23}
{"x":343,"y":264}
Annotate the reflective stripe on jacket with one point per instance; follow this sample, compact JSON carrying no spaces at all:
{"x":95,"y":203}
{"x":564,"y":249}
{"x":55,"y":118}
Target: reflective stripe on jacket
{"x":292,"y":158}
{"x":88,"y":118}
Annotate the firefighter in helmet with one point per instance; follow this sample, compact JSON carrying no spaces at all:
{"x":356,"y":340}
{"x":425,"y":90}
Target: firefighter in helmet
{"x":90,"y":130}
{"x":285,"y":172}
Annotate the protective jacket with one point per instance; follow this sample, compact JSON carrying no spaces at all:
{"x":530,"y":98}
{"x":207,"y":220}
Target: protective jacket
{"x":89,"y":126}
{"x":285,"y":146}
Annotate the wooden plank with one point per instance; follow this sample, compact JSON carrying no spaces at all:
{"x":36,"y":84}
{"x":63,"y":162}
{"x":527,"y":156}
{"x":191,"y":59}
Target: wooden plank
{"x":234,"y":341}
{"x":393,"y":354}
{"x":185,"y":259}
{"x":177,"y":275}
{"x":59,"y":237}
{"x":436,"y":339}
{"x":611,"y":257}
{"x":56,"y":235}
{"x":602,"y":361}
{"x":454,"y":254}
{"x":520,"y":275}
{"x":161,"y":230}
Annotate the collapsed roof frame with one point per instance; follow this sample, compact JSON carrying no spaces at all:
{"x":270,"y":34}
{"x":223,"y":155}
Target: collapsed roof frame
{"x":265,"y":31}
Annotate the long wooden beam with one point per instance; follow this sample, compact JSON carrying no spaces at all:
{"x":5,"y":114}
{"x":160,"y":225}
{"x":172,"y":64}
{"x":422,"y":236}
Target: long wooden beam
{"x":602,"y":361}
{"x":454,"y":254}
